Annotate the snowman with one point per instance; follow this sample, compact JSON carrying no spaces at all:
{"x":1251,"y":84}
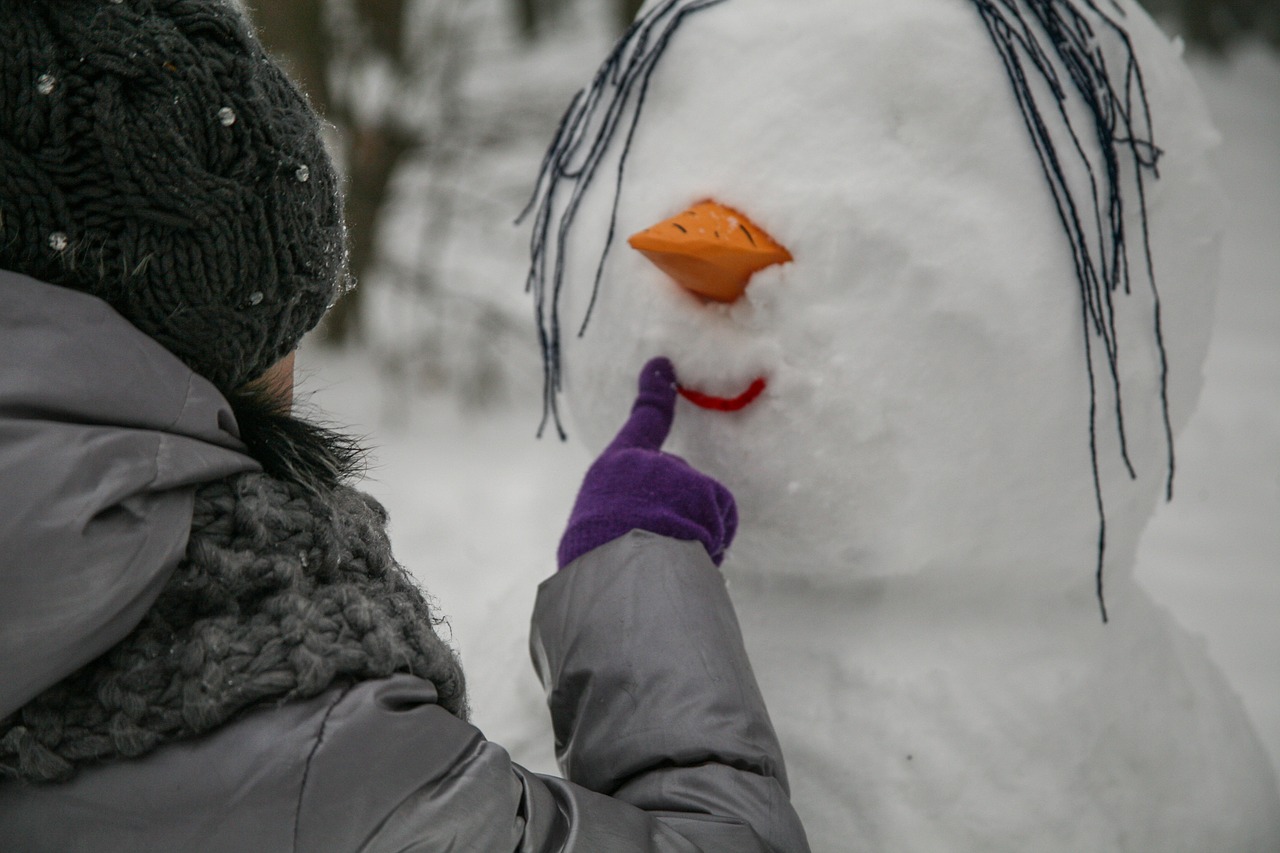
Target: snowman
{"x":936,"y":277}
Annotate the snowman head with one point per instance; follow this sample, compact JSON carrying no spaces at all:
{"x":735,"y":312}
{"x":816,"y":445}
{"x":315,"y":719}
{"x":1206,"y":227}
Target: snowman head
{"x":985,"y":318}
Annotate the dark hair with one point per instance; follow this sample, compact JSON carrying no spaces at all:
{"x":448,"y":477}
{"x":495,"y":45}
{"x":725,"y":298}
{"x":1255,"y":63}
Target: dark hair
{"x":297,"y":449}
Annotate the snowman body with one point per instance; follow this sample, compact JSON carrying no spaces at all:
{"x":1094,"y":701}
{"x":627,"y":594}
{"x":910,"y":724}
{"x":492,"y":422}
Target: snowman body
{"x":910,"y":722}
{"x":937,"y":495}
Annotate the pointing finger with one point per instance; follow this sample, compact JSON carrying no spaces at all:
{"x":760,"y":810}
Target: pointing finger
{"x":654,"y":409}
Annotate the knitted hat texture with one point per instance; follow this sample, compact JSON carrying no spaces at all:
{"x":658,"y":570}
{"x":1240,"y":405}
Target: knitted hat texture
{"x":153,"y":155}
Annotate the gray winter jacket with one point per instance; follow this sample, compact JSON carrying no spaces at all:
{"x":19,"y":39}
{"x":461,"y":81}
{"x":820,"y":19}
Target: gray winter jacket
{"x":659,"y":724}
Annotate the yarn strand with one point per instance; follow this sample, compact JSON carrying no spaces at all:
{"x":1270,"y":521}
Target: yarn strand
{"x":1020,"y":30}
{"x":593,"y":121}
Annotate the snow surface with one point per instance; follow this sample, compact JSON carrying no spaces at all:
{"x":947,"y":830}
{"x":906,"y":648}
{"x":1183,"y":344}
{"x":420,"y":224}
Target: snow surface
{"x":477,"y":506}
{"x":1213,"y":555}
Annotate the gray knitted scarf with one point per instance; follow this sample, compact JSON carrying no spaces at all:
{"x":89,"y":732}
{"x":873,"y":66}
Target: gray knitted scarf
{"x":283,"y":593}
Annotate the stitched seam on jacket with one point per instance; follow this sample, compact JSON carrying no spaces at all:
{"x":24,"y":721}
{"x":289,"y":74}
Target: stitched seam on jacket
{"x":186,"y":404}
{"x":306,"y":770}
{"x":165,"y":435}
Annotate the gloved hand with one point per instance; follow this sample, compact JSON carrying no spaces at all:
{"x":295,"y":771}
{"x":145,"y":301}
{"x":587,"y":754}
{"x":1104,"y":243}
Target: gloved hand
{"x":635,"y":486}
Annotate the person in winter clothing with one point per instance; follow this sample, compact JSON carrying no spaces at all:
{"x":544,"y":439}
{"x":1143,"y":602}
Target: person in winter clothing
{"x":205,"y":642}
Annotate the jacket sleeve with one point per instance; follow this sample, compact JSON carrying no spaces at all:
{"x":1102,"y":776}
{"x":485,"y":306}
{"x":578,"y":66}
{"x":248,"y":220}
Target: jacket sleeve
{"x":653,"y":699}
{"x":659,"y":725}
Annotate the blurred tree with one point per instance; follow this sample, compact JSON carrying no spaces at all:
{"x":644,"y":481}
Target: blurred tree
{"x":386,"y":73}
{"x":1215,"y":24}
{"x":535,"y":16}
{"x":626,"y":11}
{"x":383,"y":72}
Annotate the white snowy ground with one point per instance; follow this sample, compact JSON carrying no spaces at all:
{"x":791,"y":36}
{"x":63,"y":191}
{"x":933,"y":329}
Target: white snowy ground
{"x":477,"y":503}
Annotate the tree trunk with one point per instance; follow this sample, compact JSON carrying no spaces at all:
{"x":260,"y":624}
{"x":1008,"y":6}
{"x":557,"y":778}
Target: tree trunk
{"x":626,"y":11}
{"x":526,"y":14}
{"x":297,"y":33}
{"x":1202,"y":22}
{"x":294,"y":32}
{"x":375,"y":154}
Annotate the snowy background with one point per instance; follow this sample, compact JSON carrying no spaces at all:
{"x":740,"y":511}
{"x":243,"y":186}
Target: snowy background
{"x":477,"y":503}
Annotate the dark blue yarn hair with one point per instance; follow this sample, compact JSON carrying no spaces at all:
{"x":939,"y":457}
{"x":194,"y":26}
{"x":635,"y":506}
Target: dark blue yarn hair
{"x":1065,"y":44}
{"x":1052,"y":51}
{"x":615,"y":99}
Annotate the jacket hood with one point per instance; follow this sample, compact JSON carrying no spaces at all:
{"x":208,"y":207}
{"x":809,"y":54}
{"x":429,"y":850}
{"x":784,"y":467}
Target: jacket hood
{"x":104,"y":438}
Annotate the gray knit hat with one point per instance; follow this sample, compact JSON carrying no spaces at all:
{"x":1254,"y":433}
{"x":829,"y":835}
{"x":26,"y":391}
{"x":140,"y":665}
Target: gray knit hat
{"x":151,"y":154}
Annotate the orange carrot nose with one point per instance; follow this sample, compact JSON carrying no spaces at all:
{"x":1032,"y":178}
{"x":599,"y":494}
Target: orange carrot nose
{"x":710,"y":250}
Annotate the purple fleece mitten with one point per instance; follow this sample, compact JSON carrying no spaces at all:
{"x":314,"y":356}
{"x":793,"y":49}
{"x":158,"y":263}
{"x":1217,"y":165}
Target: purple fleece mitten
{"x":635,"y":486}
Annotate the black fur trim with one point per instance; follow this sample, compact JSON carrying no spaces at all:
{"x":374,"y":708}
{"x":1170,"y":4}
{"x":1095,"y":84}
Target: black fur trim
{"x":298,"y":450}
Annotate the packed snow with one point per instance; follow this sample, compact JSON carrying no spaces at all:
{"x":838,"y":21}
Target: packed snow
{"x":950,"y":732}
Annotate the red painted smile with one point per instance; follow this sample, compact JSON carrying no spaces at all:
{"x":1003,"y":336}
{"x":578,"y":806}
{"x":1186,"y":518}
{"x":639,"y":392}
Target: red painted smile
{"x":724,"y":404}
